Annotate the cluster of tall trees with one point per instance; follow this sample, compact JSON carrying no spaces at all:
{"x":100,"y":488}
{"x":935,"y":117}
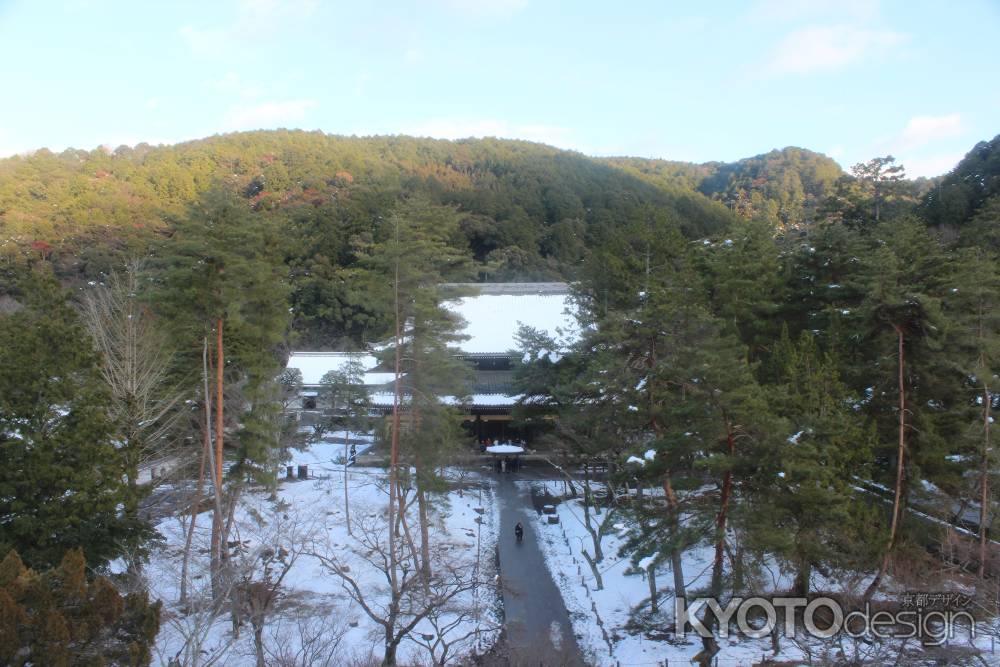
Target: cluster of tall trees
{"x":177,"y":360}
{"x":102,"y":391}
{"x":762,"y":378}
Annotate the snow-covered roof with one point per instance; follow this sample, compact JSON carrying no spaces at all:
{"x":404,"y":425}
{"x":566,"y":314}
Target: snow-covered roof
{"x":505,"y":449}
{"x":384,"y":398}
{"x":494,"y":315}
{"x":314,"y":365}
{"x":376,"y":379}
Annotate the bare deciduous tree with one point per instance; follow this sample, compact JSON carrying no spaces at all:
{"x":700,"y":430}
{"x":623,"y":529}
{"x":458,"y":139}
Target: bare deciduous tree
{"x":136,"y":363}
{"x":277,"y":539}
{"x":400,"y":605}
{"x":453,"y":633}
{"x":305,"y":639}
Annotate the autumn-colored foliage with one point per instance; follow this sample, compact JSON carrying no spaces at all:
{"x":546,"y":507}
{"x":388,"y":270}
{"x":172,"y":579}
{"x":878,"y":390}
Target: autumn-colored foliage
{"x":62,"y":618}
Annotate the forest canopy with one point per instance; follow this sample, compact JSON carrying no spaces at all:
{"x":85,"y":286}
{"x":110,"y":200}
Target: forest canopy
{"x":527,"y":211}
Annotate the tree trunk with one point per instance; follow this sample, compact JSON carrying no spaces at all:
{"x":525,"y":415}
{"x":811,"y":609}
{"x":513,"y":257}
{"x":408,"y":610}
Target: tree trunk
{"x":651,"y":579}
{"x":425,"y":537}
{"x":722,"y":518}
{"x":900,"y":470}
{"x":802,"y":577}
{"x":676,"y":562}
{"x":231,"y":502}
{"x":215,"y":548}
{"x":347,"y":499}
{"x":594,"y":569}
{"x":709,"y":644}
{"x":389,"y":660}
{"x":219,"y":407}
{"x":131,"y":456}
{"x":390,"y":656}
{"x":595,"y":534}
{"x":217,"y":525}
{"x":404,"y":525}
{"x":984,"y":482}
{"x":195,"y":506}
{"x":258,"y":643}
{"x":394,"y":446}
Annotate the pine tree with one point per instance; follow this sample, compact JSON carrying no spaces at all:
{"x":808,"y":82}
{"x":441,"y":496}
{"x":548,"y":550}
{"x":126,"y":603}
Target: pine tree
{"x":61,"y":617}
{"x":973,"y":307}
{"x":804,"y":495}
{"x":417,"y":254}
{"x":678,"y":387}
{"x":219,"y":279}
{"x":913,"y":390}
{"x":825,"y":279}
{"x":879,"y":178}
{"x":745,"y":283}
{"x":63,"y":478}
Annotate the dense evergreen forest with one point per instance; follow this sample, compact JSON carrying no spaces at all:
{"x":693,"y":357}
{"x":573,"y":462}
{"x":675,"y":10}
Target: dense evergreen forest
{"x":530,"y":212}
{"x":774,"y":327}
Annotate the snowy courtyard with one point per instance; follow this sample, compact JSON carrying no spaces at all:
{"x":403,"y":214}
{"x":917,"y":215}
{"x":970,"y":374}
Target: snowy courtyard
{"x":297,"y":544}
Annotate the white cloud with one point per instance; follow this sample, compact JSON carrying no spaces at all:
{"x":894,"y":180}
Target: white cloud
{"x":932,"y":132}
{"x":205,"y":42}
{"x":10,"y":147}
{"x":797,"y":10}
{"x":234,"y":83}
{"x":486,"y":7}
{"x":816,"y":48}
{"x":266,"y":114}
{"x":270,"y":8}
{"x":933,"y":165}
{"x":921,"y":130}
{"x":413,"y":56}
{"x":460,"y":128}
{"x":254,"y":19}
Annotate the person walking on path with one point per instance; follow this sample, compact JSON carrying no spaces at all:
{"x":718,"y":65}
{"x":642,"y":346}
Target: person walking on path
{"x":519,"y":531}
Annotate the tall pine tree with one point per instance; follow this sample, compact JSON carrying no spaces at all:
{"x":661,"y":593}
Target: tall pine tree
{"x":63,"y":479}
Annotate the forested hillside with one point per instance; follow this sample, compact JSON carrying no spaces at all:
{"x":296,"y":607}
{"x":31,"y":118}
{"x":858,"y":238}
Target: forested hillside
{"x":522,"y":200}
{"x":785,"y":186}
{"x":528,"y":211}
{"x":971,"y":189}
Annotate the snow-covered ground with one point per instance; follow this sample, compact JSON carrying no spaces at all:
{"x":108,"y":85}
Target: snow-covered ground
{"x":314,"y":614}
{"x":625,"y":589}
{"x":327,"y":455}
{"x":609,"y":641}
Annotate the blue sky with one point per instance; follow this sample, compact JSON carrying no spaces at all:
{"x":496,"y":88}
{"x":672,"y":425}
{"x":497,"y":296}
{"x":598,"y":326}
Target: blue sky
{"x":692,"y":81}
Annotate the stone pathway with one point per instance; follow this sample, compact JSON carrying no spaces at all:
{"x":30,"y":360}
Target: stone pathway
{"x":537,"y":625}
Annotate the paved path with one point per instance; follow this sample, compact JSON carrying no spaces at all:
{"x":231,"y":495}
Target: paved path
{"x":535,"y":617}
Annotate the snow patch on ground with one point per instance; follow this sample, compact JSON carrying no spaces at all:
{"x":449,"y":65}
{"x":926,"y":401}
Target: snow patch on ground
{"x":313,"y":602}
{"x":625,"y":589}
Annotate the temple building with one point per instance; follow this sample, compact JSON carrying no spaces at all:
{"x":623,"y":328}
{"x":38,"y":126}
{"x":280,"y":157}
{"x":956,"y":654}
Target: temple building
{"x":492,"y":315}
